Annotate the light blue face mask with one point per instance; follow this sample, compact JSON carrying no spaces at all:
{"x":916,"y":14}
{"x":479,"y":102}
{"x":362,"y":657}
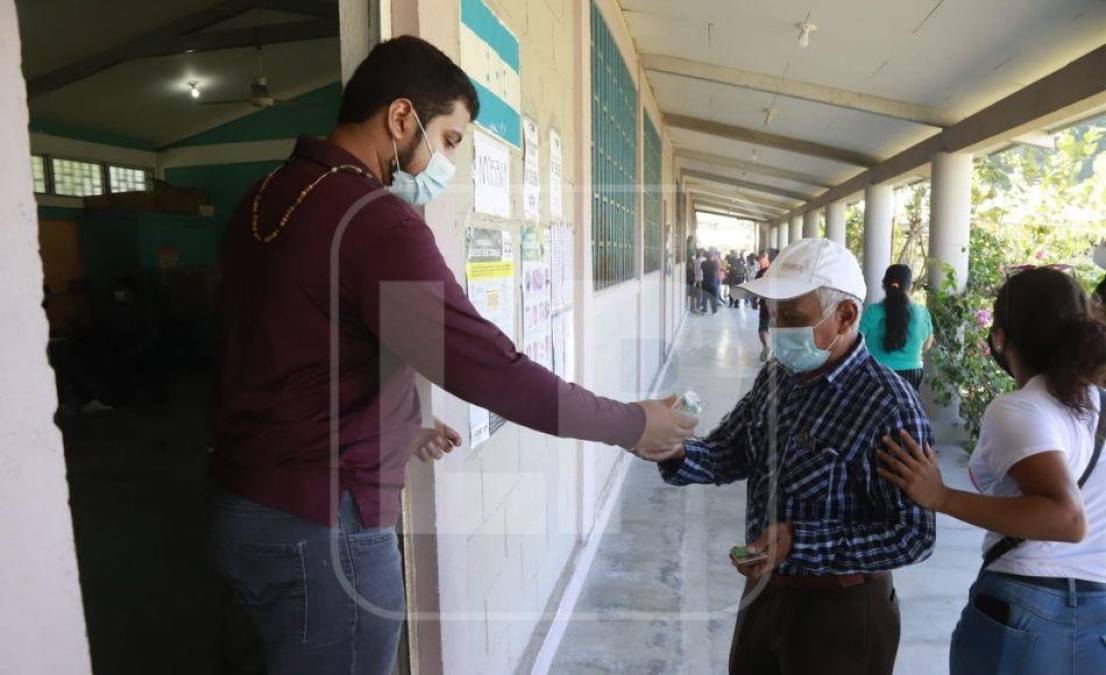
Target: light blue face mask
{"x":429,"y":183}
{"x":796,"y":349}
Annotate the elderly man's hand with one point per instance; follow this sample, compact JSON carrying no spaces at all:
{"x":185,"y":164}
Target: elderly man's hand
{"x":776,"y":541}
{"x":661,"y":454}
{"x":665,"y":426}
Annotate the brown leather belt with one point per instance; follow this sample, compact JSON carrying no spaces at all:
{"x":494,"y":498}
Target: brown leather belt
{"x":831,"y":582}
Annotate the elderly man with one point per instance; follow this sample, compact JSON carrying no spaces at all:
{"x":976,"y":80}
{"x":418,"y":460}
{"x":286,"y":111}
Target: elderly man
{"x":826,"y":527}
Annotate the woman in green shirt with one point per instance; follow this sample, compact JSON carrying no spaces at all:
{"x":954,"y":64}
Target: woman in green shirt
{"x":897,"y":331}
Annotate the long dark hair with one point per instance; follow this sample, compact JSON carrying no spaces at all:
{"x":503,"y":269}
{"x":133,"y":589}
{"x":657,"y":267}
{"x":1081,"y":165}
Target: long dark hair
{"x":896,"y":306}
{"x":1046,"y":316}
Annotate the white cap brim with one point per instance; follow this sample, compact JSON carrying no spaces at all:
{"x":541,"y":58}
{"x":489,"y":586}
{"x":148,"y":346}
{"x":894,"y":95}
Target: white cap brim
{"x":774,"y":288}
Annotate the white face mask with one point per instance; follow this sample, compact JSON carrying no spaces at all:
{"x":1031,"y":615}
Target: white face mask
{"x":429,"y":183}
{"x":797,"y":349}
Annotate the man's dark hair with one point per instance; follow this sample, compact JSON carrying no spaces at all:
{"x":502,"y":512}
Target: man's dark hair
{"x":412,"y":68}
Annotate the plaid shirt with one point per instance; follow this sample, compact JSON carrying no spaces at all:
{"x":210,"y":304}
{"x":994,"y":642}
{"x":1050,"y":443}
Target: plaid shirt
{"x":810,"y":447}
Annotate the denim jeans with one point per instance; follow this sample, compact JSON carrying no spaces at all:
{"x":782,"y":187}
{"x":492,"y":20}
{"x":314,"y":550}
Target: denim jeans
{"x":283,"y":571}
{"x":1012,"y":627}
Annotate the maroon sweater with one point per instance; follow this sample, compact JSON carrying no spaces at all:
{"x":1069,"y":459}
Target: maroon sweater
{"x":397,"y":309}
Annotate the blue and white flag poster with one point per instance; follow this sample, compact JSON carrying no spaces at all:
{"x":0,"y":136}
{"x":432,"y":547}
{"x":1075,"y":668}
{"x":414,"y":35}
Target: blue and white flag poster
{"x":490,"y":56}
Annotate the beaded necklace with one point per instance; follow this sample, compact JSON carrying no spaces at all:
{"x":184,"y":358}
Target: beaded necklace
{"x":265,"y":239}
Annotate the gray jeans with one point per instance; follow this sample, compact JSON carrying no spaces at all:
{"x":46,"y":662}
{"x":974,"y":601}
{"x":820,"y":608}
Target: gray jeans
{"x":283,"y":571}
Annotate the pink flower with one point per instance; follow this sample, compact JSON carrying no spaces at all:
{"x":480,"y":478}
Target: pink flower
{"x":983,"y":317}
{"x":1040,"y":254}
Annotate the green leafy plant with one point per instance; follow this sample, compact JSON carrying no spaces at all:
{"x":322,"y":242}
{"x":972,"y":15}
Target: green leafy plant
{"x":1029,"y":206}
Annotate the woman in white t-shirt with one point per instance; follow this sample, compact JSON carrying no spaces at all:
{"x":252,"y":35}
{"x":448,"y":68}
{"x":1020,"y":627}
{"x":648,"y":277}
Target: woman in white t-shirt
{"x":1038,"y":606}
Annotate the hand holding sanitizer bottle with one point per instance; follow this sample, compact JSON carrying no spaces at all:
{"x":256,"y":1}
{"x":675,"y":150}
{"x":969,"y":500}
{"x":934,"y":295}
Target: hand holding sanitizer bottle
{"x":689,"y":403}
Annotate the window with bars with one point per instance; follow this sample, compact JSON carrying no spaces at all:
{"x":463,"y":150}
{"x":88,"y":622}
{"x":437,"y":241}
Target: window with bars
{"x":653,"y":206}
{"x":681,"y":226}
{"x":127,"y":179}
{"x":73,"y":178}
{"x":38,"y":172}
{"x":613,"y":160}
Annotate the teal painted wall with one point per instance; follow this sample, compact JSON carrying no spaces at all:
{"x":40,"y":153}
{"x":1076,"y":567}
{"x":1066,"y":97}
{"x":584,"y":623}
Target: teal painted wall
{"x":224,"y":183}
{"x":114,"y":244}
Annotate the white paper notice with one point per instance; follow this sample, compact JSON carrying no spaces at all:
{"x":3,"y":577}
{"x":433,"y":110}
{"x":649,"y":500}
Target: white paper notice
{"x":490,"y":270}
{"x":531,"y":175}
{"x":491,"y":175}
{"x":556,"y":211}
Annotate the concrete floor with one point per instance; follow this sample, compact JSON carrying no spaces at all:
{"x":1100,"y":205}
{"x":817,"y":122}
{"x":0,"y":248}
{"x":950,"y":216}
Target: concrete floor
{"x":661,"y":596}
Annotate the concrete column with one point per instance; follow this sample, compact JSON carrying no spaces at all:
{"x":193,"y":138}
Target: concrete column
{"x":950,"y":208}
{"x":796,"y":232}
{"x":812,"y":226}
{"x":41,"y":613}
{"x":773,"y":236}
{"x":835,"y":222}
{"x":783,"y":236}
{"x":879,"y":208}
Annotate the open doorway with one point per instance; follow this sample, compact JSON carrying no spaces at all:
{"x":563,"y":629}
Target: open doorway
{"x":148,"y":122}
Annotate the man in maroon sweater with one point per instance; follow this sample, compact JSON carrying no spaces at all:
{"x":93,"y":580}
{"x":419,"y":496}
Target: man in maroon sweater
{"x":334,"y":295}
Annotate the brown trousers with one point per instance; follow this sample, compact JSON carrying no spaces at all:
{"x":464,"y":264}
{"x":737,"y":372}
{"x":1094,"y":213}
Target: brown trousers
{"x":851,"y":631}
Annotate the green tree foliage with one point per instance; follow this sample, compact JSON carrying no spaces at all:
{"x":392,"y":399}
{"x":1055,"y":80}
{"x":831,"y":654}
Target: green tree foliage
{"x":854,"y":230}
{"x":1028,"y":206}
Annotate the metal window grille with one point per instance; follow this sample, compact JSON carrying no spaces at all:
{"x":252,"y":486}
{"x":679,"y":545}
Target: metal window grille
{"x":73,"y":178}
{"x":614,"y":160}
{"x":653,"y":215}
{"x":126,"y":179}
{"x":38,"y":171}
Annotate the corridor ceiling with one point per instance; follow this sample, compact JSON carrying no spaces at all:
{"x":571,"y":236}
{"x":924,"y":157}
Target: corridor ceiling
{"x":876,"y":77}
{"x":122,"y":67}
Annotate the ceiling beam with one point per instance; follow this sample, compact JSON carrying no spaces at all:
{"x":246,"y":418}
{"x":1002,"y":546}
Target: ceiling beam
{"x":736,"y":198}
{"x":183,"y":34}
{"x":753,"y":167}
{"x":104,"y":59}
{"x":207,"y":41}
{"x":320,"y":9}
{"x":732,"y":202}
{"x":1037,"y":139}
{"x":725,"y":212}
{"x":759,"y":200}
{"x":818,"y":93}
{"x":738,"y":182}
{"x":768,"y":140}
{"x":1076,"y":88}
{"x":721,"y":203}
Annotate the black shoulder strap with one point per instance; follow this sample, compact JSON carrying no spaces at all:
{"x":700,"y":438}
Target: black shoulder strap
{"x":1007,"y":544}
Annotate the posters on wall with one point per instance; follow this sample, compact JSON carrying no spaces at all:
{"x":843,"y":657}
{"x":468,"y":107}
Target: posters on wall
{"x":556,"y":210}
{"x":562,"y":237}
{"x":490,"y":273}
{"x":490,"y":57}
{"x":491,"y":176}
{"x":531,"y":177}
{"x":537,"y":301}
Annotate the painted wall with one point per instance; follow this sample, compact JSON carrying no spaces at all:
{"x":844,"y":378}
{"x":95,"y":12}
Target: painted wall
{"x":505,"y":513}
{"x":42,"y":626}
{"x":508,"y":517}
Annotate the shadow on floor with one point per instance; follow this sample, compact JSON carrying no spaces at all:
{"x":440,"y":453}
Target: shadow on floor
{"x":138,"y":492}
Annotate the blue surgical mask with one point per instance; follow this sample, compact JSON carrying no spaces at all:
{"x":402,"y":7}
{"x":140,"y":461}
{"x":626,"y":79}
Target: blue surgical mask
{"x":796,"y":349}
{"x":429,"y":183}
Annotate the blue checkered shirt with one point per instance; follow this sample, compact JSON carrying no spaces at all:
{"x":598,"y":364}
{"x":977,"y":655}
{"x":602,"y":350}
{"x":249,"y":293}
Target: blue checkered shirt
{"x":810,"y":448}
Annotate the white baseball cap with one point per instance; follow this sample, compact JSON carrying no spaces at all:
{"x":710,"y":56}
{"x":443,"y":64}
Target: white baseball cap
{"x":807,"y":265}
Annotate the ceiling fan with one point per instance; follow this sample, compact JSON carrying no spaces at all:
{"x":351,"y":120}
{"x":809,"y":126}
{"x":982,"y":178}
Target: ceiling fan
{"x":259,"y":90}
